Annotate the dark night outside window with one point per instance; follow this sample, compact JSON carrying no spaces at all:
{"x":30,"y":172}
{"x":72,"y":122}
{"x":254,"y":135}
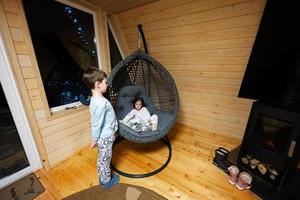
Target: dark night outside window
{"x":12,"y":155}
{"x":64,"y":42}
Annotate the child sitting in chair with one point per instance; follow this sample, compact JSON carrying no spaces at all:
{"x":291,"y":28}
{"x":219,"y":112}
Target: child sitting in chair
{"x":139,"y":118}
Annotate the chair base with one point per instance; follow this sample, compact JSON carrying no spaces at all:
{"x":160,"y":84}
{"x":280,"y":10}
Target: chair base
{"x":166,"y":141}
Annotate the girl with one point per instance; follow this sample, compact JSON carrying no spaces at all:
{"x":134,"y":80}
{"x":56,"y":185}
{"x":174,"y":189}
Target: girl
{"x":139,"y":117}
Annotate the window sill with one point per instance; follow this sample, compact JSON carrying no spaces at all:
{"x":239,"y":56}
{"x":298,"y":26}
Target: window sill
{"x":66,"y":112}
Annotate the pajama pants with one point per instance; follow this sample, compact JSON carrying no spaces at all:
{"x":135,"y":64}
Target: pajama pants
{"x":104,"y":158}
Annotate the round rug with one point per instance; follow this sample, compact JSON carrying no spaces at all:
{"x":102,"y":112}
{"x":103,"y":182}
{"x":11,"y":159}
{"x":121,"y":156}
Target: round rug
{"x":120,"y":191}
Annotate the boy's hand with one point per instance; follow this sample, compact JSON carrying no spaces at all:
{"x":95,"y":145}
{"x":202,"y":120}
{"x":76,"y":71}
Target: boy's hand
{"x":93,"y":144}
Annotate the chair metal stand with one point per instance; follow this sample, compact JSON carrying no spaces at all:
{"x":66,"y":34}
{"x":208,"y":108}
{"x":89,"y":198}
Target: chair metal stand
{"x":166,"y":141}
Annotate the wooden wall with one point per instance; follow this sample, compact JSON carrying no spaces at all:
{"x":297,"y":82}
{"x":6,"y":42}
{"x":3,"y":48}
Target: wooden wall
{"x":58,"y":135}
{"x":205,"y":44}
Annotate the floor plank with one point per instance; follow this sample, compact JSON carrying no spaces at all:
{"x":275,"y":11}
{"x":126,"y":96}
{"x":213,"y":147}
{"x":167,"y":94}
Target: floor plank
{"x":190,"y":174}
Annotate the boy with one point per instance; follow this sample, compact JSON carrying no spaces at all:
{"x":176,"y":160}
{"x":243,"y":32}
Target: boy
{"x":104,"y":124}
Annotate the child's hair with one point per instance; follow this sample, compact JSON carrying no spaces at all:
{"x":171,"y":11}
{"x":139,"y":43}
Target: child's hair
{"x":92,"y":75}
{"x":138,"y":99}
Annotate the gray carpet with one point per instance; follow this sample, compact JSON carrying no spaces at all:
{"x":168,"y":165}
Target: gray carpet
{"x":120,"y":191}
{"x":26,"y":188}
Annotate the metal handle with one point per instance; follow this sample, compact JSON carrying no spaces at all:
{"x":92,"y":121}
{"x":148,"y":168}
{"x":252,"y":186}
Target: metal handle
{"x":141,"y":33}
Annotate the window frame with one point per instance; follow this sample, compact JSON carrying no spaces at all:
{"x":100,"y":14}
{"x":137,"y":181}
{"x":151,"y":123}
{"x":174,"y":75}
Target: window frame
{"x":93,"y":13}
{"x":101,"y":44}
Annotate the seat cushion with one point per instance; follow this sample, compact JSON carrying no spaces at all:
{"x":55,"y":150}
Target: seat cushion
{"x":126,"y":97}
{"x":165,"y":123}
{"x":125,"y":104}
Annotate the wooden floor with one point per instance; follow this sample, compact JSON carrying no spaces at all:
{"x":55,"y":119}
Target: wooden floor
{"x":190,"y":174}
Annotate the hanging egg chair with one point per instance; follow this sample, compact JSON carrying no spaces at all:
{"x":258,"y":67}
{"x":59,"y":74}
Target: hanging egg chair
{"x":141,"y":75}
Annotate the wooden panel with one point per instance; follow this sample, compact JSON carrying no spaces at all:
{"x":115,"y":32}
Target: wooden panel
{"x":159,"y":6}
{"x":163,"y":10}
{"x":36,"y":104}
{"x":63,"y":151}
{"x":28,"y":72}
{"x":31,"y":83}
{"x":210,"y":26}
{"x":10,"y":6}
{"x":39,"y":114}
{"x":103,"y":37}
{"x":20,"y":47}
{"x":232,"y":52}
{"x":117,"y":6}
{"x":56,"y":146}
{"x":205,"y":45}
{"x":17,"y":34}
{"x":194,"y":14}
{"x":34,"y":94}
{"x":24,"y":61}
{"x":47,"y":123}
{"x":49,"y":130}
{"x":13,"y":20}
{"x":232,"y":33}
{"x":55,"y":137}
{"x":206,"y":68}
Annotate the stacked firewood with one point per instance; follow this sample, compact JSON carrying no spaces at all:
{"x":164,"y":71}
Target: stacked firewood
{"x":263,"y":168}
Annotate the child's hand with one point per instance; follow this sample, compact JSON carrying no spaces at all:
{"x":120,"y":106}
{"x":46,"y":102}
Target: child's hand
{"x":93,"y":144}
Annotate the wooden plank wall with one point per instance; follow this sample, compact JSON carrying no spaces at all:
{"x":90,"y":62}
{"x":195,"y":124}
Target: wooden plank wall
{"x":205,"y":44}
{"x":60,"y":136}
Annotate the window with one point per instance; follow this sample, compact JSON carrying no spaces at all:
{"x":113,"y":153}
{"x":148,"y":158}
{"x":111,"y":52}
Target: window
{"x":12,"y":155}
{"x":65,"y":45}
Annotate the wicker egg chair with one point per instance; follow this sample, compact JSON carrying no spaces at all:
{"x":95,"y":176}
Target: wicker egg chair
{"x":141,"y":75}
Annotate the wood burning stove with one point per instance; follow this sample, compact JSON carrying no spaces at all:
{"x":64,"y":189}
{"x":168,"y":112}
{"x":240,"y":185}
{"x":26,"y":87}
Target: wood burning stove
{"x":270,"y":150}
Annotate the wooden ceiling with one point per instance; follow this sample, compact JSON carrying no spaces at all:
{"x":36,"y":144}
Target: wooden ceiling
{"x":118,"y":6}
